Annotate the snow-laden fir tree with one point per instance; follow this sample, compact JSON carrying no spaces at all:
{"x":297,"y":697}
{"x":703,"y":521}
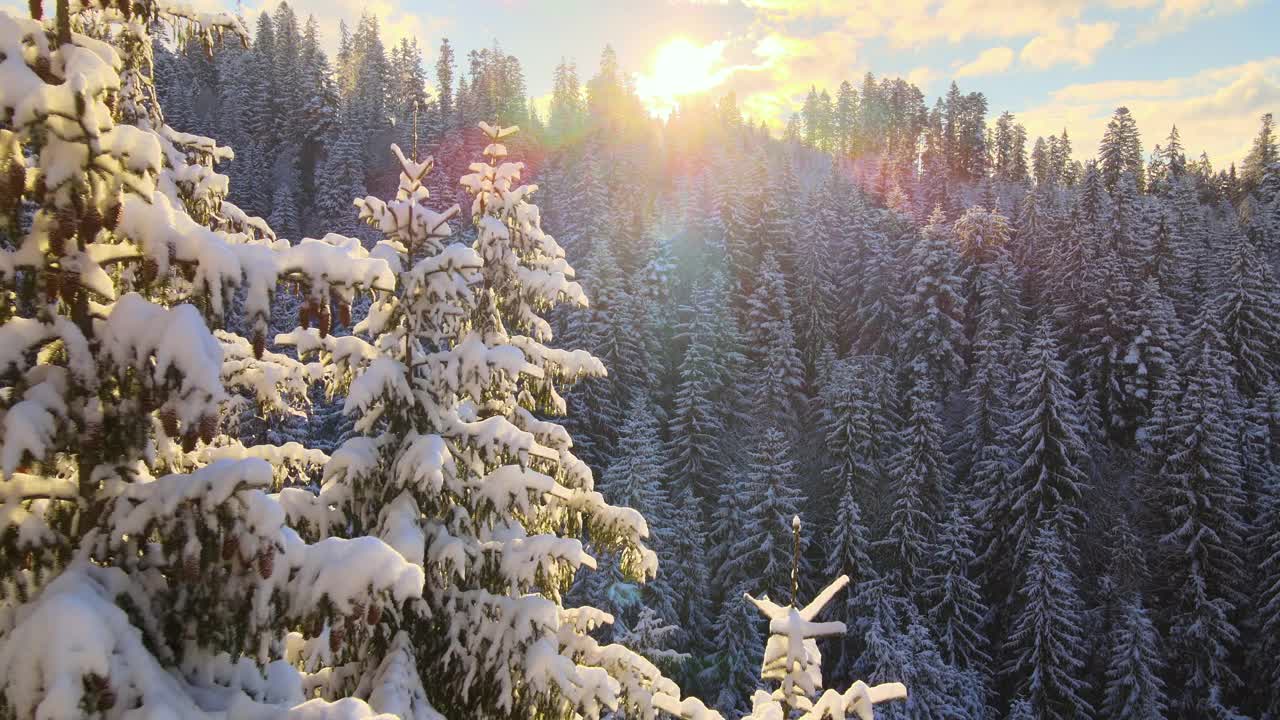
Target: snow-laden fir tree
{"x":918,"y":483}
{"x":1250,"y":306}
{"x":635,"y":479}
{"x":1048,"y":457}
{"x":933,"y":342}
{"x":792,"y":660}
{"x":956,"y":608}
{"x":860,"y":422}
{"x":1196,"y":488}
{"x":154,"y":565}
{"x":1043,"y":654}
{"x":454,"y":466}
{"x":772,"y":342}
{"x":1134,"y":688}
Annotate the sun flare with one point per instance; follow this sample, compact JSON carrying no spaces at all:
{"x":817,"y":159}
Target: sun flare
{"x":680,"y":68}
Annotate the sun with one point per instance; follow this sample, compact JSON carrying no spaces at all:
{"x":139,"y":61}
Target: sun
{"x":680,"y":68}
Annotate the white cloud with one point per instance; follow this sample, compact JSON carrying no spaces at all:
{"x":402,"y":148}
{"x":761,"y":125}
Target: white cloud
{"x":1217,"y":110}
{"x":988,"y":62}
{"x":1077,"y":45}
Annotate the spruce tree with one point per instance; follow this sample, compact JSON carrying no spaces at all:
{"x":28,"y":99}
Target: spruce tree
{"x":956,"y":609}
{"x":1134,"y":688}
{"x":933,"y":341}
{"x":1049,"y":454}
{"x":152,"y":560}
{"x":1044,"y":649}
{"x":1196,"y":490}
{"x":918,"y":485}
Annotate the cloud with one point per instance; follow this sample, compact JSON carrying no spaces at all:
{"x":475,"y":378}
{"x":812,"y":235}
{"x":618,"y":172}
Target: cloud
{"x":1077,"y":45}
{"x":1217,"y":110}
{"x":922,"y":77}
{"x":989,"y":61}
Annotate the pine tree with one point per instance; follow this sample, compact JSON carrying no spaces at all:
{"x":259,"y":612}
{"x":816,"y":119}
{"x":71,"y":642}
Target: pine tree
{"x":449,"y":449}
{"x":635,"y":479}
{"x":860,"y":423}
{"x":760,"y":529}
{"x":698,"y":420}
{"x":847,"y":554}
{"x":1120,"y":151}
{"x":1264,"y":153}
{"x":1044,"y":646}
{"x":1197,"y":493}
{"x":1134,"y":689}
{"x":771,"y":338}
{"x":1250,"y":305}
{"x":956,"y":609}
{"x":1049,"y":453}
{"x":933,"y":340}
{"x":919,"y":476}
{"x":185,"y":548}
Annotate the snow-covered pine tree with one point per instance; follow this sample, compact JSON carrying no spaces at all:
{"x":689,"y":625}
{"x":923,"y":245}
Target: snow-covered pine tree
{"x":153,"y":564}
{"x":1196,"y":489}
{"x":1049,"y":456}
{"x":635,"y":479}
{"x":956,"y":609}
{"x":860,"y":425}
{"x":697,"y":424}
{"x":772,"y":344}
{"x":792,"y":660}
{"x":1044,"y":650}
{"x":1250,"y":305}
{"x":847,"y":554}
{"x":453,"y":467}
{"x":757,"y":529}
{"x":932,"y":344}
{"x":918,"y":484}
{"x":1134,"y":688}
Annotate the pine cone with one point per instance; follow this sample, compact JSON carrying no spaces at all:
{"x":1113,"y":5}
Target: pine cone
{"x":150,"y":271}
{"x":90,"y":223}
{"x":15,"y":181}
{"x":230,"y":547}
{"x":44,"y":69}
{"x":189,"y":439}
{"x":106,"y":699}
{"x":326,"y":320}
{"x":191,"y":567}
{"x":374,"y":615}
{"x":169,"y":421}
{"x":357,"y":614}
{"x":259,"y":344}
{"x":125,"y":7}
{"x":68,"y":289}
{"x":115,"y":213}
{"x":37,"y":9}
{"x":58,"y":240}
{"x":336,"y":636}
{"x":208,"y":428}
{"x":304,"y":316}
{"x":344,"y":314}
{"x":93,"y":436}
{"x":266,"y":563}
{"x":52,"y":284}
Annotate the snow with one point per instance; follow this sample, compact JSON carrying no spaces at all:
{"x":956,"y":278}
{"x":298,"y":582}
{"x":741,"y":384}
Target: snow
{"x":343,"y":572}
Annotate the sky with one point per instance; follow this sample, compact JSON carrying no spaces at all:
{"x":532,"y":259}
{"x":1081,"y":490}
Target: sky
{"x":1210,"y":66}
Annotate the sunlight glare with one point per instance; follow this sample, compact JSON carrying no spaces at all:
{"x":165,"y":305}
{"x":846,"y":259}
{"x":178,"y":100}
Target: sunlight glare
{"x":680,"y":68}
